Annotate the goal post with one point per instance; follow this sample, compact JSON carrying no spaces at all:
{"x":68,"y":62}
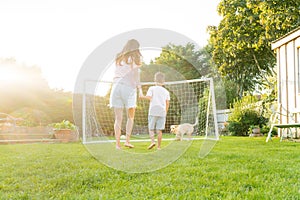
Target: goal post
{"x":191,"y":100}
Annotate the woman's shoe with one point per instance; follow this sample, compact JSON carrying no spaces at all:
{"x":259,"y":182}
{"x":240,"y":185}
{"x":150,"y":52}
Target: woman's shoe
{"x":151,"y":146}
{"x":129,"y":145}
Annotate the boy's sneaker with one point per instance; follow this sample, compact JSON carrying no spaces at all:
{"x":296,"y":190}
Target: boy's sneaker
{"x":151,"y":146}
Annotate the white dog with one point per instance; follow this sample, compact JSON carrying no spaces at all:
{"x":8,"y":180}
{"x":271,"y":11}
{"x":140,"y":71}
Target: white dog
{"x":182,"y":129}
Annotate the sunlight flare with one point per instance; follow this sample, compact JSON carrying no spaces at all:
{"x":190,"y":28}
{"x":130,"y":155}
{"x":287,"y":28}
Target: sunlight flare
{"x":8,"y":75}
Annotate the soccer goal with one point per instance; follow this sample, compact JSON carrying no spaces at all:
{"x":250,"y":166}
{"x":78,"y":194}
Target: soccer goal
{"x":191,"y":100}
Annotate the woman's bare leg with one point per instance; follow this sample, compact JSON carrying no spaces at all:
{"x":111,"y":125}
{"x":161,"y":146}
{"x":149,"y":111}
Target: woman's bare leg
{"x":129,"y":124}
{"x":118,"y":125}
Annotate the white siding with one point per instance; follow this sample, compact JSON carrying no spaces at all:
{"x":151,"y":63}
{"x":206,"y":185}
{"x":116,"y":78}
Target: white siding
{"x":282,"y":72}
{"x":297,"y":63}
{"x":288,"y":71}
{"x":291,"y":76}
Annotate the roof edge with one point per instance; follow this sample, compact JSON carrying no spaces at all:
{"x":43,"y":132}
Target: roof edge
{"x":286,"y":38}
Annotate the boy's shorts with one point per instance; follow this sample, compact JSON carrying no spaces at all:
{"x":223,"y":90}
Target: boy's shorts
{"x":156,"y":122}
{"x":122,"y":96}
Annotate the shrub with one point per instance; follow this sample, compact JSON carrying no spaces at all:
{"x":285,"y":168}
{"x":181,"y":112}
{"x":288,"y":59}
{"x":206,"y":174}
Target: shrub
{"x":245,"y":113}
{"x":235,"y":128}
{"x":65,"y":124}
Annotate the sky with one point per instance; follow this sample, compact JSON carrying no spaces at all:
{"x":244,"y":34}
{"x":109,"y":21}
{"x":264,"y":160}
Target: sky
{"x":59,"y":35}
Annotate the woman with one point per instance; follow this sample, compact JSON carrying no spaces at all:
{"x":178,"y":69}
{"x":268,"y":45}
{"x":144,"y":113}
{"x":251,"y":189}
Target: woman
{"x":124,"y":89}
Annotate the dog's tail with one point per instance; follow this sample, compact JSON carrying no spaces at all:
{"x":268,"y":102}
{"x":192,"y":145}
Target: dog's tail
{"x":196,"y":121}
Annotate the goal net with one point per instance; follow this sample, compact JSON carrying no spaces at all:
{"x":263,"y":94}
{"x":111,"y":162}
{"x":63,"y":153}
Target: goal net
{"x":191,"y":100}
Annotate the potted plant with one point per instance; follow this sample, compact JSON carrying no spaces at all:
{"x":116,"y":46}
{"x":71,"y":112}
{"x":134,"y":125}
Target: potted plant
{"x":257,"y":129}
{"x":65,"y":131}
{"x":254,"y":131}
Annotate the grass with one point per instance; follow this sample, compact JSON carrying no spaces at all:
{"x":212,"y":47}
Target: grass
{"x":146,"y":136}
{"x":237,"y":168}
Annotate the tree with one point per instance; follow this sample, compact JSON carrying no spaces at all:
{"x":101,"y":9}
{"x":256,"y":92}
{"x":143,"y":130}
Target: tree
{"x":21,"y":86}
{"x":241,"y":42}
{"x":60,"y":106}
{"x":186,"y":60}
{"x":26,"y":94}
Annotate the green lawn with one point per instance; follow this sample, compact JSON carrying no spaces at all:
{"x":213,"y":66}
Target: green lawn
{"x":237,"y":168}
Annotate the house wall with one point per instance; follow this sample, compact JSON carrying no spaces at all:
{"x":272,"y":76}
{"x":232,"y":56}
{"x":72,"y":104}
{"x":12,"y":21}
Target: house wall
{"x":288,"y":73}
{"x":297,"y":74}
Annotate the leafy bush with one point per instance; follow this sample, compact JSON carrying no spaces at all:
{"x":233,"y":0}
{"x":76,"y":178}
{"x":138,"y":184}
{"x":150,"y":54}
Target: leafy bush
{"x":245,"y":114}
{"x":235,"y":128}
{"x":65,"y":124}
{"x":31,"y":117}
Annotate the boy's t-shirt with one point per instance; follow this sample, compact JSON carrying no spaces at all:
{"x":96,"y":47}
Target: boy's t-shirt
{"x":159,"y":95}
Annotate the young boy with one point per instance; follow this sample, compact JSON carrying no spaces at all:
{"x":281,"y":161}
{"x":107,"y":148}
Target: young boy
{"x":159,"y":104}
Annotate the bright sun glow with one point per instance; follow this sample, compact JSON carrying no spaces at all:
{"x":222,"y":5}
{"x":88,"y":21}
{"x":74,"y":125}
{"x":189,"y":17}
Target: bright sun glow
{"x":60,"y":51}
{"x":8,"y":75}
